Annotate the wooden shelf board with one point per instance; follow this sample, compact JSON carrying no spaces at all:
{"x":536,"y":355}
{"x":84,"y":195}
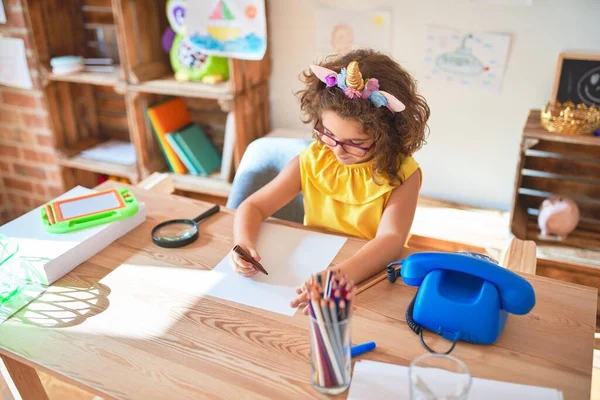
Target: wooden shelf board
{"x":91,"y":78}
{"x":534,"y":129}
{"x":584,"y":257}
{"x":212,"y":184}
{"x":169,"y":86}
{"x":124,"y":171}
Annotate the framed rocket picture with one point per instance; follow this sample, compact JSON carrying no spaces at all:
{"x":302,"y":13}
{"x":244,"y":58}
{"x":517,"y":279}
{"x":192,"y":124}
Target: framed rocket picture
{"x":228,"y":28}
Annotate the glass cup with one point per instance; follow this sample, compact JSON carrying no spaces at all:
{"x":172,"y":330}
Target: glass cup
{"x":437,"y":377}
{"x":330,"y":358}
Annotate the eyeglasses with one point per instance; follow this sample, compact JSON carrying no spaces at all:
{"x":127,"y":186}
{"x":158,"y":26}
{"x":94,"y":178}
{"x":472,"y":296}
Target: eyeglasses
{"x":349,"y":148}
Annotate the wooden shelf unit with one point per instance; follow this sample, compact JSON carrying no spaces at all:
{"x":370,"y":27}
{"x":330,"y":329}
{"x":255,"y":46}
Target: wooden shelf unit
{"x":89,"y":107}
{"x":554,"y":164}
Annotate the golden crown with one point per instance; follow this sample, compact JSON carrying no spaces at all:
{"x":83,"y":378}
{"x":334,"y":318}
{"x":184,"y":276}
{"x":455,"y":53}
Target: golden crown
{"x":570,"y":119}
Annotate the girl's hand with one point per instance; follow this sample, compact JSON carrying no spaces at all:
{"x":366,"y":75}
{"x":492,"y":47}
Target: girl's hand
{"x":301,"y":300}
{"x":243,"y":267}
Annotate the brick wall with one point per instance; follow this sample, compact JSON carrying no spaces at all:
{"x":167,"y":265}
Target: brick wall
{"x":29,"y":174}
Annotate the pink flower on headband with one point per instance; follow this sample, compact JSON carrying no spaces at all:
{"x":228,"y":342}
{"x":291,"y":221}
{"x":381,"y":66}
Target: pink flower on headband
{"x":331,"y":80}
{"x":371,"y":86}
{"x":352,"y":93}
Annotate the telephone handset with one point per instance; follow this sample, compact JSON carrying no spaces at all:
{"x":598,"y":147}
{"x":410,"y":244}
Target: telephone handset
{"x":462,"y":296}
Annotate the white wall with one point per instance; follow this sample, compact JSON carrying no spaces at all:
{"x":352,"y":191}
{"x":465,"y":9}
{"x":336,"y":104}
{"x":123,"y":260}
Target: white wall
{"x":472,"y":149}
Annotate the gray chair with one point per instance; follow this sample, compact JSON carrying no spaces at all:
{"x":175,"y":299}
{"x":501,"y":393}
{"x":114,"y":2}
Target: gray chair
{"x":262,"y":161}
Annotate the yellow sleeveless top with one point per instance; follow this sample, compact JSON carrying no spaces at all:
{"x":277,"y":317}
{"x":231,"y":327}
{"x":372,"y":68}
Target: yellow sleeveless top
{"x":344,"y":198}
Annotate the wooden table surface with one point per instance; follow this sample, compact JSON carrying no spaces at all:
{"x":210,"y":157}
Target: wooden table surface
{"x":130,"y":323}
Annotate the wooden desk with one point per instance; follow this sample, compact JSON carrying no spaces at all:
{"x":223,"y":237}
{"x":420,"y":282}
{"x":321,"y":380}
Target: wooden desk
{"x":129,"y":323}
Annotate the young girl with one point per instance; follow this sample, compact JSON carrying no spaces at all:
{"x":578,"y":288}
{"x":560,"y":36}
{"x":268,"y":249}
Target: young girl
{"x":359,"y":177}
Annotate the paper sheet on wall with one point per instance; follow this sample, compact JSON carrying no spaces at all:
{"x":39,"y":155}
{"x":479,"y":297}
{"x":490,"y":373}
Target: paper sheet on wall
{"x":289,"y":255}
{"x":2,"y":13}
{"x":466,"y":59}
{"x":14,"y":70}
{"x":228,"y":28}
{"x":505,"y":2}
{"x":341,"y":30}
{"x":377,"y":380}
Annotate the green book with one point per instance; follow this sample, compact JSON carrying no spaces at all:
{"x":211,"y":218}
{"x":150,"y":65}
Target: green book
{"x":200,"y":151}
{"x":181,"y":154}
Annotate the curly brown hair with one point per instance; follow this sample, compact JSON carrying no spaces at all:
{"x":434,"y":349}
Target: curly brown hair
{"x":396,"y":135}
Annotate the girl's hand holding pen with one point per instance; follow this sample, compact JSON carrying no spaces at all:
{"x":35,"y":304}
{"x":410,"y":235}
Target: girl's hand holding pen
{"x":242,"y":266}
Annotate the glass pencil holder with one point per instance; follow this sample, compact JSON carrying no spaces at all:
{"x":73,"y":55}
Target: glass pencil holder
{"x":330,"y":343}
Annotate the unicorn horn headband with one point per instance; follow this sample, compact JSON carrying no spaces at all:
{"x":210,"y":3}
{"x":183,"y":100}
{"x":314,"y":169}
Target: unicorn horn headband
{"x":350,"y":80}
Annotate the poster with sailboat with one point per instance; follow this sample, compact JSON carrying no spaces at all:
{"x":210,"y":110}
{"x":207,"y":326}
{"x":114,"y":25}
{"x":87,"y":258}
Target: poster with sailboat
{"x":228,"y":28}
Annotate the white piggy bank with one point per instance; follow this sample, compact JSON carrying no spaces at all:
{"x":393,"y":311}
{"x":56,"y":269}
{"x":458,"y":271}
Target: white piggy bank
{"x":558,"y":216}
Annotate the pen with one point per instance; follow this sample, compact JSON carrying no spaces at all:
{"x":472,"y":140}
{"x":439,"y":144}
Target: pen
{"x":361,"y":348}
{"x":248,"y":258}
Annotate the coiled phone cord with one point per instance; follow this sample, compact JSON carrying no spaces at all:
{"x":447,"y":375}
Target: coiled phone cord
{"x":392,"y":274}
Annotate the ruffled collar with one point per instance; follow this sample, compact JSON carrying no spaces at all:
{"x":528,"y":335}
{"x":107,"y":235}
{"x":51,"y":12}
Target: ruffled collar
{"x":351,"y":184}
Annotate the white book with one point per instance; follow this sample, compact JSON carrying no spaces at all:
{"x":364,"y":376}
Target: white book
{"x":47,"y":257}
{"x":228,"y":143}
{"x":113,"y":151}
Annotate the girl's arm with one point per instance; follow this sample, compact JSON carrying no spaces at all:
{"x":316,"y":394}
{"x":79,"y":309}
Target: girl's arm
{"x":260,"y":206}
{"x":391,"y":237}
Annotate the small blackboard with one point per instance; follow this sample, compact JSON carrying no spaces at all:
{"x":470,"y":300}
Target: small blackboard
{"x":577,"y":79}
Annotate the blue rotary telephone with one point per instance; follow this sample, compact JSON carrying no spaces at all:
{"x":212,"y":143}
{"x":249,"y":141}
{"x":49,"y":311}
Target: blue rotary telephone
{"x":461,"y":296}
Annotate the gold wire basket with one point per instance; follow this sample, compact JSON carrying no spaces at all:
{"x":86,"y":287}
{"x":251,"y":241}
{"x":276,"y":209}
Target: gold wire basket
{"x":570,"y":119}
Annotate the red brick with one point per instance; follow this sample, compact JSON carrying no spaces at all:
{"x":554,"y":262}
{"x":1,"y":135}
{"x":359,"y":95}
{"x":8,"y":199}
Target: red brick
{"x":17,"y":200}
{"x":9,"y":116}
{"x":5,"y":167}
{"x":54,"y":177}
{"x":15,"y":18}
{"x":14,"y":3}
{"x":6,"y":150}
{"x":38,"y":156}
{"x":19,"y":100}
{"x":45,"y":141}
{"x":20,"y":184}
{"x":54,"y":191}
{"x":27,"y":170}
{"x":35,"y":121}
{"x":38,"y":188}
{"x":17,"y":135}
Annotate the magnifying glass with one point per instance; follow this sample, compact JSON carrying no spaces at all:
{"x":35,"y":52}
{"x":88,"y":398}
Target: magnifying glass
{"x":179,"y":232}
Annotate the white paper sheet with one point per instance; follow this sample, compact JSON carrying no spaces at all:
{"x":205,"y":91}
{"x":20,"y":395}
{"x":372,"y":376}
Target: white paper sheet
{"x":377,"y":380}
{"x":228,"y":28}
{"x":2,"y":14}
{"x":505,"y":2}
{"x":340,"y":30}
{"x":14,"y":70}
{"x":114,"y":151}
{"x":289,"y":255}
{"x":466,"y":59}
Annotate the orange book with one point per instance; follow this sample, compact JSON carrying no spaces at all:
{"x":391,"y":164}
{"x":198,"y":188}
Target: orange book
{"x":167,"y":117}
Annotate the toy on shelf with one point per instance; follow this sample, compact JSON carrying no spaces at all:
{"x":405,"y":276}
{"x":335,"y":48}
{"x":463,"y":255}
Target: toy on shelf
{"x":188,"y":63}
{"x":558,"y":216}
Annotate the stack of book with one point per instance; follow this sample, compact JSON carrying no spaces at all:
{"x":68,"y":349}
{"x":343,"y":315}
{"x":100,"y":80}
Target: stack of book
{"x":185,"y":145}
